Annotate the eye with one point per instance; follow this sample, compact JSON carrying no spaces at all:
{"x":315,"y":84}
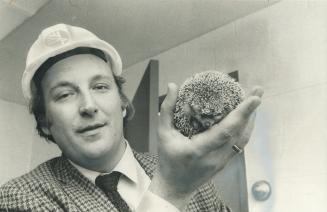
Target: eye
{"x":101,"y":87}
{"x":63,"y":96}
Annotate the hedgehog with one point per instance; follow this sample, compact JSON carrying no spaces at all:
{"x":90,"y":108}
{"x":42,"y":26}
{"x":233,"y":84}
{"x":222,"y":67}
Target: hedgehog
{"x":205,"y":99}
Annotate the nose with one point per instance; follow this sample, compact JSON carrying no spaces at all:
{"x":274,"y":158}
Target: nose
{"x":88,"y":106}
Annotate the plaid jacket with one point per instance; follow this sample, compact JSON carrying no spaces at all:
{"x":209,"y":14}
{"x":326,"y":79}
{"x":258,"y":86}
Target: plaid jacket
{"x":57,"y":186}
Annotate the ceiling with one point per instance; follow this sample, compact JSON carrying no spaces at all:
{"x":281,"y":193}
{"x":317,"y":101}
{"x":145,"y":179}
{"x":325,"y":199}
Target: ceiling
{"x":15,"y":12}
{"x":138,"y":29}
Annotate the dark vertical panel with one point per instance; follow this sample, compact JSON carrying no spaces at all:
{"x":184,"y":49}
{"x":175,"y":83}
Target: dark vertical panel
{"x":139,"y":130}
{"x":232,"y":184}
{"x":161,"y":99}
{"x":153,"y":112}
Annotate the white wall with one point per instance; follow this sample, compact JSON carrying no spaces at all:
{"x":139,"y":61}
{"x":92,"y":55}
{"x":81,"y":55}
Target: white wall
{"x":21,"y":149}
{"x":42,"y":151}
{"x":15,"y":140}
{"x":284,"y":49}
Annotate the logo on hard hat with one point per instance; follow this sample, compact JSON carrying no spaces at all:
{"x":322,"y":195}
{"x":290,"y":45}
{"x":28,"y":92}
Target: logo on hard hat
{"x":56,"y":38}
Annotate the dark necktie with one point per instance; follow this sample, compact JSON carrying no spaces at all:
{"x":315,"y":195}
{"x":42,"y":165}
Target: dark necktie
{"x":108,"y":184}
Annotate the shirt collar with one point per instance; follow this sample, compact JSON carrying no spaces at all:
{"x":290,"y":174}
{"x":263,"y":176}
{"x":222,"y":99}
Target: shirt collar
{"x":127,"y":166}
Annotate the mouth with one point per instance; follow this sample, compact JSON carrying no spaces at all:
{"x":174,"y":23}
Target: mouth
{"x":90,"y":128}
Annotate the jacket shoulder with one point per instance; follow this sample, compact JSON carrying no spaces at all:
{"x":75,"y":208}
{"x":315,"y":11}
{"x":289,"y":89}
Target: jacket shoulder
{"x":26,"y":192}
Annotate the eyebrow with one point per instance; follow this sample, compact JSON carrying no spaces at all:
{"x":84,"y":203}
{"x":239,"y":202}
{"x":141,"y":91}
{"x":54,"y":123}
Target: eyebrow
{"x":99,"y":77}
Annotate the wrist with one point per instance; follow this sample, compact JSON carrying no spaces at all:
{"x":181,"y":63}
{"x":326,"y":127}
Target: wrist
{"x":169,"y":192}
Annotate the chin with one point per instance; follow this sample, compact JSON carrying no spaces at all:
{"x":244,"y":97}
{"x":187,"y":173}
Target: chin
{"x":101,"y":149}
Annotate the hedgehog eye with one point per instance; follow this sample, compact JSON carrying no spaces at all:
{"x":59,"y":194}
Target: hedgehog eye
{"x":206,"y":116}
{"x":196,"y":108}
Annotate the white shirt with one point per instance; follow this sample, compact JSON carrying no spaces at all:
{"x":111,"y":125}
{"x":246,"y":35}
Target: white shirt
{"x":133,"y":185}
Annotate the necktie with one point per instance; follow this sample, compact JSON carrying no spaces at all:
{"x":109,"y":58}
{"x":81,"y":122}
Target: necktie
{"x":108,"y":184}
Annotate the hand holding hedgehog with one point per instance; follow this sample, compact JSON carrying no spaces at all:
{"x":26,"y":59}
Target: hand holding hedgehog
{"x":204,"y":99}
{"x":187,"y":162}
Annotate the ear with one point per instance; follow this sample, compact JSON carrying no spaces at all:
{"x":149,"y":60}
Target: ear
{"x":124,"y":112}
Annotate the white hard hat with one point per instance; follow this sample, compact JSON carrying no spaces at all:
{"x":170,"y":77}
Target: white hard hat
{"x":61,"y":38}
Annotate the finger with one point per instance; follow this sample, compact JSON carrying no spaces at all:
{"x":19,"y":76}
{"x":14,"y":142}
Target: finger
{"x":240,"y":121}
{"x":231,"y":126}
{"x":168,"y":105}
{"x":256,"y":91}
{"x":243,"y":140}
{"x":247,"y":132}
{"x":246,"y":108}
{"x":220,"y":157}
{"x":230,"y":149}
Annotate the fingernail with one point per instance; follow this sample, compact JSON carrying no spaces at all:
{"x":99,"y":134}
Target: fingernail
{"x":258,"y":91}
{"x":169,"y":87}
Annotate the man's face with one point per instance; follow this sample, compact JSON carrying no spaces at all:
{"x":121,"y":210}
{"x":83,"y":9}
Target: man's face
{"x":84,"y":110}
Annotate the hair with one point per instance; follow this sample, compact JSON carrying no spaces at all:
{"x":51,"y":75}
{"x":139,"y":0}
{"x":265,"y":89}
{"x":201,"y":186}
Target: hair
{"x":37,"y":103}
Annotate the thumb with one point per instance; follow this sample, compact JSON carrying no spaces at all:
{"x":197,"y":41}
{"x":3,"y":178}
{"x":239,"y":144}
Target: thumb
{"x":168,"y":105}
{"x":256,"y":91}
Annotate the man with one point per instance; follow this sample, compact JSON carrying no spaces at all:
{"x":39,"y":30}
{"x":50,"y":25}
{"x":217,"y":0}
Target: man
{"x":72,"y":81}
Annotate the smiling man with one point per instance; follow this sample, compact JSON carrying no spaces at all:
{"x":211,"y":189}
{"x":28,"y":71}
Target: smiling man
{"x":73,"y":84}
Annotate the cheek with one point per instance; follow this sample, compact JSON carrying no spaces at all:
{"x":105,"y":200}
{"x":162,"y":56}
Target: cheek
{"x":111,"y":104}
{"x":59,"y":116}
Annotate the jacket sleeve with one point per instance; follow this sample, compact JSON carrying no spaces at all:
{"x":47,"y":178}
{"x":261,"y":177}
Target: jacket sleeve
{"x":207,"y":199}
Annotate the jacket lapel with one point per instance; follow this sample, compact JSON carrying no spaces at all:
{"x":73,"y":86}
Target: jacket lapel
{"x":85,"y":195}
{"x":82,"y":195}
